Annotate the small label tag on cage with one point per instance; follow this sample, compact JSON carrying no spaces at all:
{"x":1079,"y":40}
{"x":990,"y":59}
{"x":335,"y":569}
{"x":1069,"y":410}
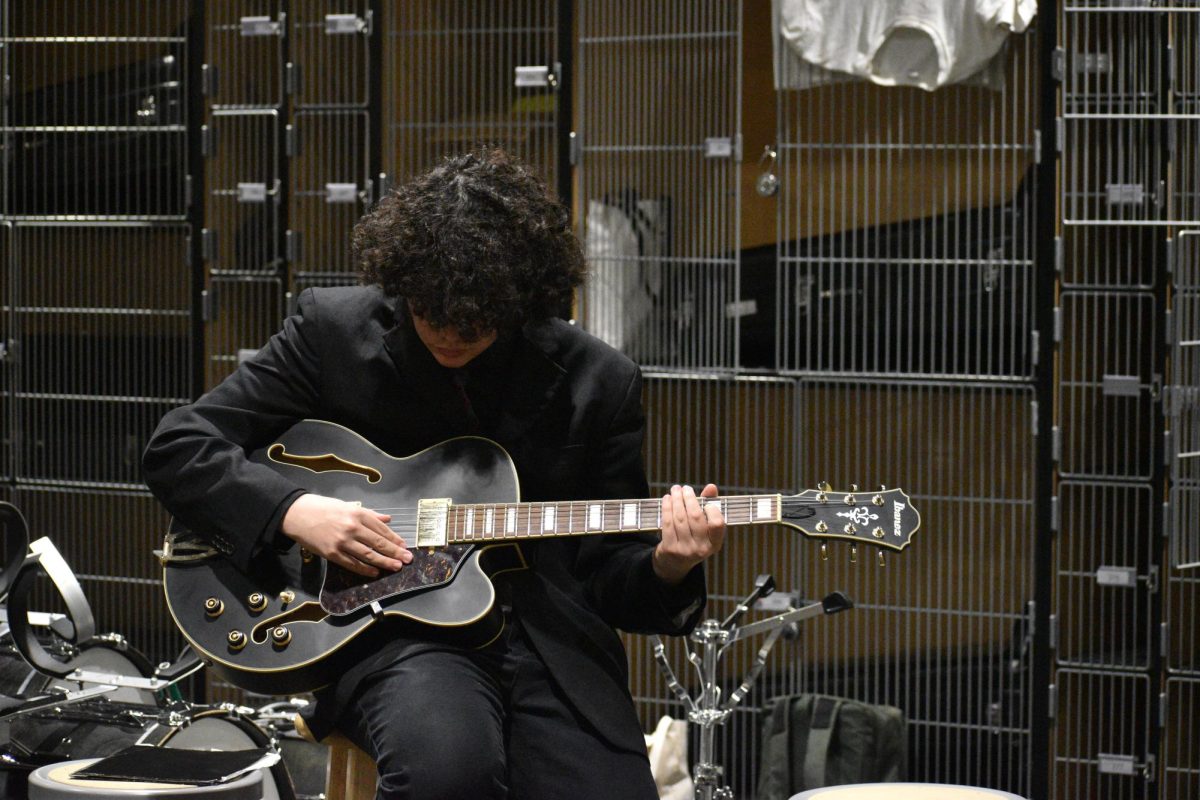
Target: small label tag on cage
{"x":1093,"y":63}
{"x":1116,"y":576}
{"x":1125,"y":194}
{"x":1121,"y":385}
{"x":341,"y":24}
{"x":742,"y":308}
{"x":252,"y":192}
{"x":718,"y":147}
{"x":1118,"y":765}
{"x":531,"y":76}
{"x":259,"y":26}
{"x":341,"y":192}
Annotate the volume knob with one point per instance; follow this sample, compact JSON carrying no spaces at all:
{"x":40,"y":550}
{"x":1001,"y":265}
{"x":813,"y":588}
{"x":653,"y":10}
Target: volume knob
{"x":257,"y":601}
{"x":213,"y":608}
{"x":280,"y":636}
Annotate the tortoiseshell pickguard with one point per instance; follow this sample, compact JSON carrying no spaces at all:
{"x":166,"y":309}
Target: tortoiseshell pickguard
{"x":345,"y":591}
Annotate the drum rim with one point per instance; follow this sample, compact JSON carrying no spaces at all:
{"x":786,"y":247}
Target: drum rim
{"x":279,"y":772}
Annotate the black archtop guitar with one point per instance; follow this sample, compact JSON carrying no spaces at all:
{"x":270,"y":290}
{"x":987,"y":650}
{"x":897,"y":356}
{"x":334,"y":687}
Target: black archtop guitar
{"x":291,"y":624}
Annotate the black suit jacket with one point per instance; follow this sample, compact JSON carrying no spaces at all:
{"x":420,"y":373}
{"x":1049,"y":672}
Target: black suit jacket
{"x":570,"y":417}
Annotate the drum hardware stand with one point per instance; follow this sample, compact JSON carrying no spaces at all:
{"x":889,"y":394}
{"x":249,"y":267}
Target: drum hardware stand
{"x":713,"y":638}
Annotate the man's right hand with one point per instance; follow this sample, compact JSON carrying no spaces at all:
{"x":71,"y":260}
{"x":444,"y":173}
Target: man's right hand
{"x":347,"y":534}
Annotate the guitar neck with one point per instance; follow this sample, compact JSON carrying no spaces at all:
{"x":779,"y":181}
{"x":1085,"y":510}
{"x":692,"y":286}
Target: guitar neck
{"x":484,"y":522}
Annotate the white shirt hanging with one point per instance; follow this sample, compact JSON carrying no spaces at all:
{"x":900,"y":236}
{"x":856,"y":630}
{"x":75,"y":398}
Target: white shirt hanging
{"x":925,"y":43}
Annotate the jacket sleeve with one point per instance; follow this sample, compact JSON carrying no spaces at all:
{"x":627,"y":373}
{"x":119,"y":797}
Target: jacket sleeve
{"x":617,"y":569}
{"x":196,"y":462}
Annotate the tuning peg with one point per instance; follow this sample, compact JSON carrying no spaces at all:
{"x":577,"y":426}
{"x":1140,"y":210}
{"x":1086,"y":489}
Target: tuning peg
{"x":879,"y":558}
{"x":877,"y":500}
{"x":824,"y":553}
{"x":882,"y":488}
{"x":824,"y":486}
{"x":854,"y":487}
{"x":853,"y":554}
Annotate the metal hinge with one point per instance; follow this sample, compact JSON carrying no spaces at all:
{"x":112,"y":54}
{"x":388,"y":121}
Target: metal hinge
{"x":291,"y":78}
{"x":383,"y":186}
{"x":1058,"y":324}
{"x":208,"y":80}
{"x":208,"y":304}
{"x":290,"y":302}
{"x":1037,"y":145}
{"x":291,"y":141}
{"x":293,"y":245}
{"x":1056,"y":444}
{"x":1162,"y":709}
{"x":1054,"y":631}
{"x":1033,"y":417}
{"x":1052,"y":694}
{"x":1060,"y":134}
{"x":1152,"y":580}
{"x":1168,"y":327}
{"x":1168,"y":520}
{"x":1164,"y":639}
{"x":208,"y":141}
{"x":576,"y":147}
{"x":1055,"y":514}
{"x":1168,"y":447}
{"x":1060,"y":255}
{"x":1058,"y":64}
{"x":1035,"y":348}
{"x":208,"y":244}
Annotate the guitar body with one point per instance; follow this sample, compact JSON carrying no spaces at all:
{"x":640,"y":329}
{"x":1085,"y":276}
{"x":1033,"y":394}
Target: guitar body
{"x":300,"y":619}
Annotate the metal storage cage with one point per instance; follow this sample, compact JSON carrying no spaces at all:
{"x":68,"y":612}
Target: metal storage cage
{"x":986,"y":296}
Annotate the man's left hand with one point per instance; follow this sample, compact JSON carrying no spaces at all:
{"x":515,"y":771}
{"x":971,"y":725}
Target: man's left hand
{"x":690,"y":532}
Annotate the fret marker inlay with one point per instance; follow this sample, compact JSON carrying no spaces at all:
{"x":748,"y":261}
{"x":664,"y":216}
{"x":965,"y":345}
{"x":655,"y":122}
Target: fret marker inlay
{"x":764,"y":508}
{"x":629,"y":515}
{"x":548,"y":518}
{"x":510,"y":520}
{"x":594,"y":517}
{"x":470,"y":526}
{"x":488,"y":518}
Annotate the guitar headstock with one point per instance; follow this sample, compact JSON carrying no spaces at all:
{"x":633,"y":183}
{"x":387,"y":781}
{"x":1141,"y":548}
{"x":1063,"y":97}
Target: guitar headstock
{"x":884,"y":518}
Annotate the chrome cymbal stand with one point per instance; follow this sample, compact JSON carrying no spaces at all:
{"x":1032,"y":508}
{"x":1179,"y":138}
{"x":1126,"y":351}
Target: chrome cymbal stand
{"x":712,"y":638}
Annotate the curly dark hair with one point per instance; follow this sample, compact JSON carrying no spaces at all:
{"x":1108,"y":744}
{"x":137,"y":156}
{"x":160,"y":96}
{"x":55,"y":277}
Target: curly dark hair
{"x":476,"y":243}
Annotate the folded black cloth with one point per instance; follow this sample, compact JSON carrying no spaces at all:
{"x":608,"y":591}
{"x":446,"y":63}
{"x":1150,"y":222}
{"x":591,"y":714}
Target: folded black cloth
{"x":176,"y":765}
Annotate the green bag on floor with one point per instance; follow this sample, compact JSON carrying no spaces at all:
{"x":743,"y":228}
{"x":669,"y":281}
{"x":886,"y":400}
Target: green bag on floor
{"x":813,"y":740}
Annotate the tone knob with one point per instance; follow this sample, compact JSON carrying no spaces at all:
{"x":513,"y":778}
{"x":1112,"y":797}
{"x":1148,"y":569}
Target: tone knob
{"x":213,"y":608}
{"x":257,"y":601}
{"x":280,"y":636}
{"x":237,"y":640}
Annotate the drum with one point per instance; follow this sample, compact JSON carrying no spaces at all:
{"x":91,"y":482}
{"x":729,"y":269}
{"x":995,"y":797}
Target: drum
{"x":88,"y":729}
{"x":57,"y":782}
{"x":223,"y":729}
{"x":904,"y":791}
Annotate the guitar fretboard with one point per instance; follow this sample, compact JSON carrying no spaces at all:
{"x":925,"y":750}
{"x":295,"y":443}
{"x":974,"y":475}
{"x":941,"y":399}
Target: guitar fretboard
{"x":504,"y":521}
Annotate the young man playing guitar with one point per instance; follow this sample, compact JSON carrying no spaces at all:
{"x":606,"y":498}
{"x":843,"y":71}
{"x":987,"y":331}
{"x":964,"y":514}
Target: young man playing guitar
{"x":455,"y":334}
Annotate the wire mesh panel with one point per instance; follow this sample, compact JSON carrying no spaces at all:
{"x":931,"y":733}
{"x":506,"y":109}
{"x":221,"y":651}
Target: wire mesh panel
{"x":906,"y":227}
{"x":1181,"y":737}
{"x":103,"y":347}
{"x":329,"y":52}
{"x":1182,"y":623}
{"x":95,"y":109}
{"x":453,"y":82}
{"x":243,"y":313}
{"x":1114,"y":63}
{"x":944,"y":630}
{"x":1102,"y":257}
{"x":107,"y":538}
{"x":243,"y":57}
{"x":1102,"y":736}
{"x":8,"y":278}
{"x":1183,"y":407}
{"x":243,"y":179}
{"x":331,"y":188}
{"x":742,"y":435}
{"x":1106,"y":584}
{"x":659,"y":194}
{"x":1107,"y":385}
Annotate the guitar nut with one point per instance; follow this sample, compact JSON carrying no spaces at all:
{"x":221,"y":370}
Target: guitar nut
{"x":257,"y":601}
{"x":213,"y":608}
{"x":237,"y":640}
{"x":280,"y":636}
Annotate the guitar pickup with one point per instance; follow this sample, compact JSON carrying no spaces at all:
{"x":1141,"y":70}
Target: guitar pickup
{"x":432,"y":516}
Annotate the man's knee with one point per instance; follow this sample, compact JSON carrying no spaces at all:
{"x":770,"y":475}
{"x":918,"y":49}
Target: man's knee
{"x":447,"y":776}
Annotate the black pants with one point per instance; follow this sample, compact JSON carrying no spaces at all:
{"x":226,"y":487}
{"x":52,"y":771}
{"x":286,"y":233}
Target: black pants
{"x":452,"y":724}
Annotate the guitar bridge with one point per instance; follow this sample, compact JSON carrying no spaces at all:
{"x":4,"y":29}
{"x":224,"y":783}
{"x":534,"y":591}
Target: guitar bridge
{"x":431,"y":521}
